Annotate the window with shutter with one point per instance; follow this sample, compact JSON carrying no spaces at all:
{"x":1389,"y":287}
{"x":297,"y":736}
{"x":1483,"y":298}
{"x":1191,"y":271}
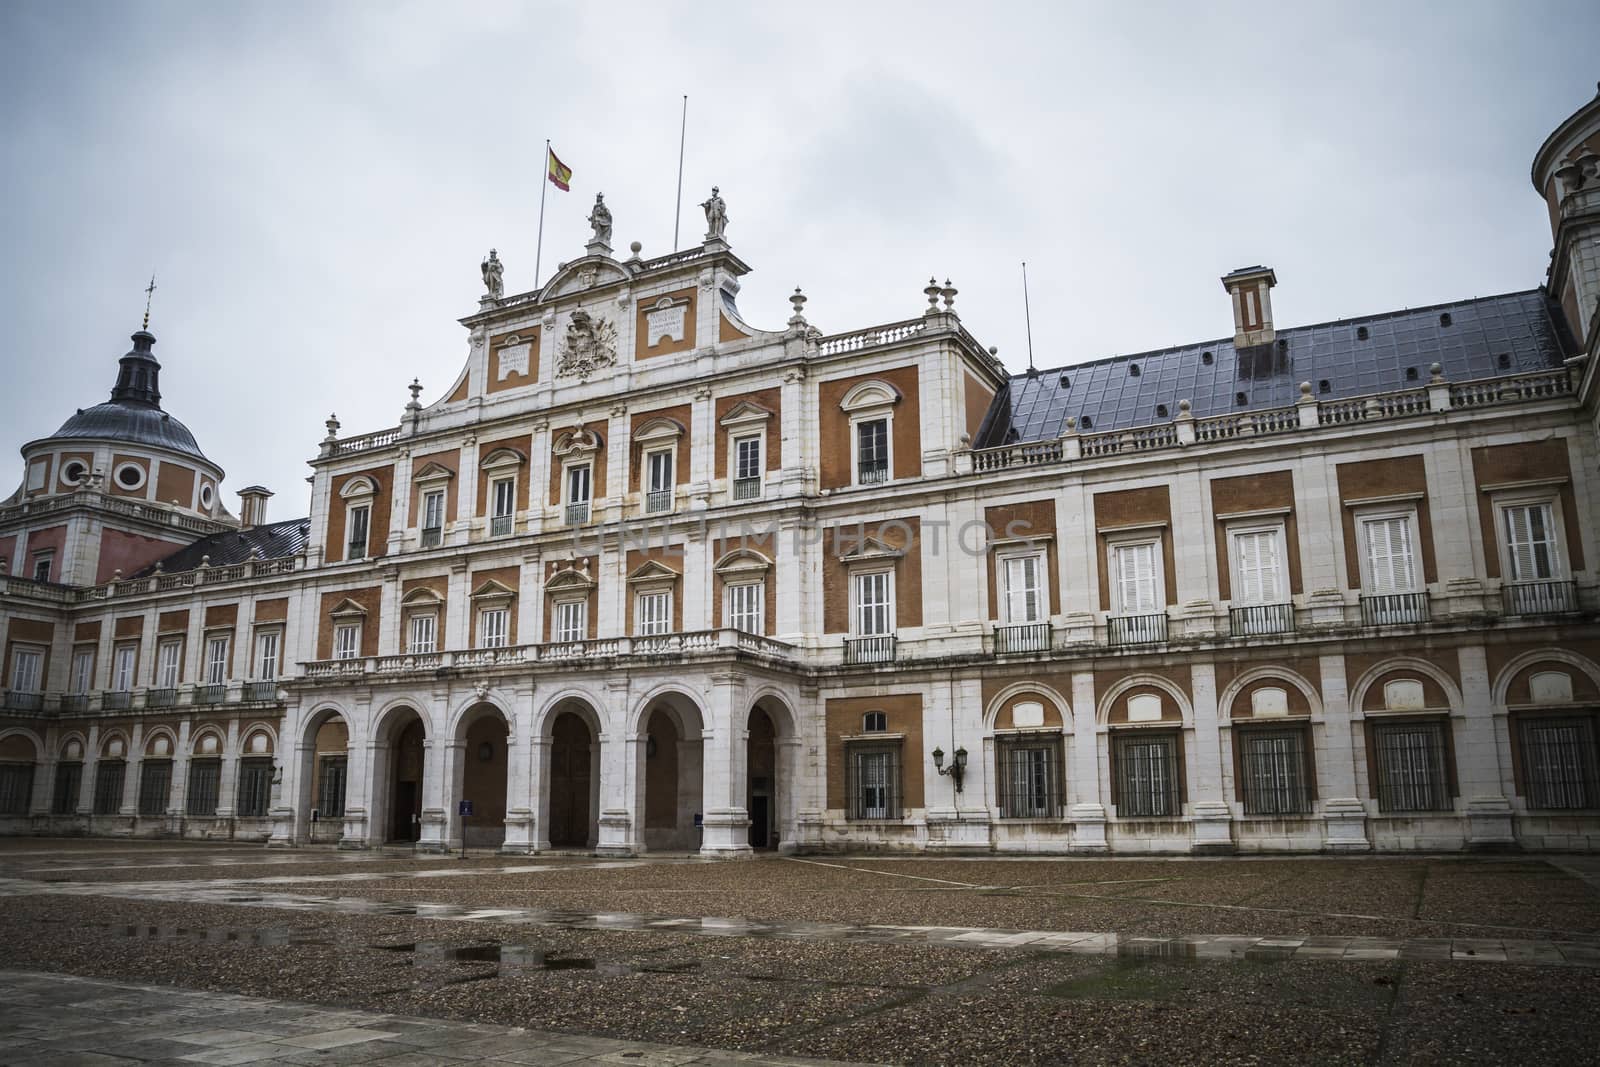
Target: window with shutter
{"x":1136,"y":579}
{"x":1531,"y":542}
{"x":167,"y":664}
{"x":872,"y":616}
{"x":1257,"y":567}
{"x":1391,"y":566}
{"x":216,"y":661}
{"x":1024,"y":591}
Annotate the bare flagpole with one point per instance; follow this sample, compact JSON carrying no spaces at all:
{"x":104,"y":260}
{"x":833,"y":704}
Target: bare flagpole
{"x":1027,"y":313}
{"x":544,"y":180}
{"x":677,"y":208}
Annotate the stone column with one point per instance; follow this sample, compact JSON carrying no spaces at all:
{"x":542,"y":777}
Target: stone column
{"x":466,"y":494}
{"x":181,"y":758}
{"x":621,"y":778}
{"x":539,"y":789}
{"x":725,"y":758}
{"x":798,"y":460}
{"x":1213,"y":820}
{"x":434,"y":836}
{"x":453,"y":770}
{"x":1088,"y":812}
{"x":358,"y":774}
{"x":1479,"y":774}
{"x":796,"y":558}
{"x":132,"y":771}
{"x":960,"y":821}
{"x":227,"y":780}
{"x":292,"y":754}
{"x":520,"y":826}
{"x":1343,"y":813}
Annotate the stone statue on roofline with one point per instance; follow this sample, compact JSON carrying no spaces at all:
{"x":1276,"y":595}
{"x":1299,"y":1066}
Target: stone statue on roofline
{"x":716,"y":216}
{"x":600,"y":220}
{"x":493,"y":276}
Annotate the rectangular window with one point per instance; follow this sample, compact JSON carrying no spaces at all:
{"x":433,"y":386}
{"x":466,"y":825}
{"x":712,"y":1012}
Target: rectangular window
{"x":82,"y":670}
{"x":1024,"y":589}
{"x":874,"y":786}
{"x":874,"y":614}
{"x":26,"y":667}
{"x":255,"y":788}
{"x":572,"y":620}
{"x":1412,"y":775}
{"x":205,"y":778}
{"x":1137,"y":589}
{"x":108,"y":786}
{"x":579,"y":489}
{"x":347,"y":640}
{"x":1275,"y":778}
{"x":493,"y":627}
{"x":658,"y":481}
{"x":432,"y":518}
{"x":168,"y":655}
{"x":1531,"y":543}
{"x":1559,"y":762}
{"x":1391,"y":566}
{"x":872,"y":451}
{"x":356,"y":522}
{"x":69,"y":780}
{"x":267,"y":655}
{"x":747,"y":467}
{"x":505,"y":506}
{"x":1147,"y":775}
{"x":216,"y":660}
{"x":747,"y":606}
{"x":654,"y":613}
{"x":330,"y":797}
{"x":16,"y":788}
{"x":41,"y":565}
{"x":1257,"y":566}
{"x":423,"y":636}
{"x":1028,"y":768}
{"x":155,"y":787}
{"x":122,"y":668}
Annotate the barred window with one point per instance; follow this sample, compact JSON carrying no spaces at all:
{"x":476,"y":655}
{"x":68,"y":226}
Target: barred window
{"x":108,"y":786}
{"x":69,"y":779}
{"x":330,"y":798}
{"x":1275,"y":776}
{"x":1411,"y":766}
{"x":1028,"y":768}
{"x":155,"y":787}
{"x":255,"y":788}
{"x":872,"y":783}
{"x":1147,"y":774}
{"x":1558,"y":762}
{"x":205,"y":778}
{"x":16,"y":787}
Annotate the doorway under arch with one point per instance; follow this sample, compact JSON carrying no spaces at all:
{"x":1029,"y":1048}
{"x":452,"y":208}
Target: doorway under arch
{"x":325,"y":773}
{"x":761,"y":780}
{"x":483,"y":776}
{"x":672,"y":774}
{"x":574,"y":820}
{"x":402,"y":760}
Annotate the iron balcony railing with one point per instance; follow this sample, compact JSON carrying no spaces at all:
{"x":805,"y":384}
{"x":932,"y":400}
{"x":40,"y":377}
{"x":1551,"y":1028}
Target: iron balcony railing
{"x":19,"y":701}
{"x":161,"y":698}
{"x":747,"y":488}
{"x":1261,"y":619}
{"x":657,"y":501}
{"x":260,"y":691}
{"x":1393,"y":609}
{"x":873,"y":473}
{"x":1022,"y":637}
{"x":211,"y":694}
{"x":432,"y":536}
{"x":1540,"y":598}
{"x":500,"y":526}
{"x":869,"y":649}
{"x":75,"y":702}
{"x":578,"y":514}
{"x":117,"y":700}
{"x":1136,"y":629}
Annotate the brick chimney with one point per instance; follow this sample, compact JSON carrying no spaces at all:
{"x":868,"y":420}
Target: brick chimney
{"x":253,"y":506}
{"x":1251,"y":290}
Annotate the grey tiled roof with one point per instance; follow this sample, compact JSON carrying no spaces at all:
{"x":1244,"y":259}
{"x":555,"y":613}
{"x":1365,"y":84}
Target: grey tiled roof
{"x":1485,"y":337}
{"x":274,"y":541}
{"x":135,"y":424}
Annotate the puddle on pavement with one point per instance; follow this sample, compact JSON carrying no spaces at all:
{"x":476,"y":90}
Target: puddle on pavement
{"x":517,"y":959}
{"x":213,"y":935}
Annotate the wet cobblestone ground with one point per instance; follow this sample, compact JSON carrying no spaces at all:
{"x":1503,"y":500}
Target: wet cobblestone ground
{"x":871,"y":959}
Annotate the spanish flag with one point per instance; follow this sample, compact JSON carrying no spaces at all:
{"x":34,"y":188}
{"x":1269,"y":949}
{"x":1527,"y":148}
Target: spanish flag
{"x":560,"y":173}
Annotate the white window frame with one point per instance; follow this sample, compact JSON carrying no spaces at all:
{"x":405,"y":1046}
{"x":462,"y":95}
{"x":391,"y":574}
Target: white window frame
{"x":1369,"y":579}
{"x":735,"y":444}
{"x":1551,"y":501}
{"x":351,"y":510}
{"x":422,"y":632}
{"x":430,"y":498}
{"x":1279,"y":529}
{"x":47,"y":560}
{"x":269,"y":654}
{"x":567,"y":471}
{"x":1155,"y":544}
{"x":169,"y":668}
{"x":885,"y":416}
{"x":124,"y":662}
{"x":82,"y":678}
{"x":216,"y":665}
{"x":569,"y":620}
{"x":503,"y":503}
{"x":347,"y":640}
{"x":31,"y":680}
{"x":756,"y":591}
{"x":857,"y":577}
{"x":658,"y":619}
{"x":669,"y":454}
{"x":1041,"y":563}
{"x":494,"y":626}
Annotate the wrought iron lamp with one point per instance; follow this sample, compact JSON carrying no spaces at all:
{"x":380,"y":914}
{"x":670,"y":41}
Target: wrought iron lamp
{"x":957,"y":768}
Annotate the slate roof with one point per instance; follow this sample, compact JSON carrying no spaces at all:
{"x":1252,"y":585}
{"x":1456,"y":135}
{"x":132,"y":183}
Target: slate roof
{"x":1485,"y":337}
{"x":113,"y":421}
{"x":275,"y":540}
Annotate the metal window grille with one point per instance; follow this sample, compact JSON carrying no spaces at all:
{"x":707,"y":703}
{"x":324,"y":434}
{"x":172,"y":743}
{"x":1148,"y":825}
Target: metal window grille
{"x":1540,"y":598}
{"x":1261,"y":619}
{"x":500,"y":526}
{"x":578,"y":513}
{"x":205,"y":779}
{"x":211,"y":694}
{"x":869,"y":649}
{"x":330,"y":798}
{"x":1558,"y":762}
{"x":69,"y":779}
{"x":1394,"y":609}
{"x":873,"y":787}
{"x":657,"y":501}
{"x":1411,"y":767}
{"x":155,"y":787}
{"x":255,"y":788}
{"x":1136,"y":629}
{"x":747,"y":488}
{"x":1028,"y":768}
{"x":75,"y":702}
{"x":108,"y":786}
{"x":1147,"y":776}
{"x":872,"y":451}
{"x":1275,"y":778}
{"x":161,"y":698}
{"x":16,"y":788}
{"x":1027,"y":637}
{"x":432,"y":536}
{"x":260,"y":691}
{"x":23,"y":701}
{"x":116,"y":701}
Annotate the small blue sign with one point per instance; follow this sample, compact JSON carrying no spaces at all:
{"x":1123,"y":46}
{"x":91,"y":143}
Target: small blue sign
{"x":699,"y":820}
{"x":465,"y":809}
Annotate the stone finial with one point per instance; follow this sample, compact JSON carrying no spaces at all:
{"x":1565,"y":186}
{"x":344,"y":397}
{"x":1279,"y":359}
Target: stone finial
{"x":1305,"y":391}
{"x":635,"y":247}
{"x":931,"y":291}
{"x":205,"y":561}
{"x":332,"y":424}
{"x":798,"y":302}
{"x":416,"y":393}
{"x":949,"y":293}
{"x":1436,"y":373}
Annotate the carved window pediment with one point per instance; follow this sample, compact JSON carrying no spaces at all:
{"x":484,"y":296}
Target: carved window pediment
{"x":870,"y":550}
{"x":577,"y":443}
{"x":433,"y":472}
{"x":491,"y":591}
{"x":745,"y":414}
{"x":743,"y":564}
{"x":356,"y":488}
{"x":570,"y":581}
{"x":870,"y":396}
{"x":348,"y":609}
{"x":659,"y":430}
{"x":421,"y":597}
{"x":653,"y":571}
{"x":504,"y":458}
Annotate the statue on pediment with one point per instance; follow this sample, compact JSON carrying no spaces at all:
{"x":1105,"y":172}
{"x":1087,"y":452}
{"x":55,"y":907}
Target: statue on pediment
{"x":600,"y":220}
{"x":716,"y":216}
{"x":589,"y":344}
{"x":493,"y":276}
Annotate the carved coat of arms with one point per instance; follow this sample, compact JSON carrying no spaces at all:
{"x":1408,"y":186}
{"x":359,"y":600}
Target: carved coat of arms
{"x":589,"y":345}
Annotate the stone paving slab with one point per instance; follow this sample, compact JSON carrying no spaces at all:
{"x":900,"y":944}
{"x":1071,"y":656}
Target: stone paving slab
{"x":43,"y":1020}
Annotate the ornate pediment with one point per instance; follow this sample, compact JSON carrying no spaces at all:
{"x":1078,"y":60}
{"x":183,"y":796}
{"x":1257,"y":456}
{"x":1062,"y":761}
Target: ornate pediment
{"x":745,"y":413}
{"x":742,"y":563}
{"x":576,"y":442}
{"x":421,"y":597}
{"x":493,"y":590}
{"x":348,"y":609}
{"x":589,"y":345}
{"x":866,"y":549}
{"x":582,"y":275}
{"x":653,"y":571}
{"x":566,"y":578}
{"x":433,"y":472}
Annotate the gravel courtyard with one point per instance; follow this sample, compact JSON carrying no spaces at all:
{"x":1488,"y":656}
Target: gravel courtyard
{"x":872,"y":959}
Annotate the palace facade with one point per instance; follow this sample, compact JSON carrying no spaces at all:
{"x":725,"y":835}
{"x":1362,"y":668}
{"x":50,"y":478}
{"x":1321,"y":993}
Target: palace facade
{"x":649,"y":577}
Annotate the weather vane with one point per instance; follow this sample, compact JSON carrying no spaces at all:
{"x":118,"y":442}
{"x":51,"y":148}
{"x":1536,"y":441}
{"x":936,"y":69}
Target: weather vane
{"x":149,"y":292}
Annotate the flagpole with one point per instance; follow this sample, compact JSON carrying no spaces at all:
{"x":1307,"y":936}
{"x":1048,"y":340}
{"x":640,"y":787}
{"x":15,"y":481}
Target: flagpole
{"x":677,"y":208}
{"x":544,"y":180}
{"x":1027,"y":312}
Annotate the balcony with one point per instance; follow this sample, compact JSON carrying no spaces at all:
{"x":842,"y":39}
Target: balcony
{"x":578,"y":514}
{"x":747,"y":489}
{"x":1136,"y":629}
{"x":1022,"y":637}
{"x":117,"y":700}
{"x":1539,"y":598}
{"x":1394,"y":609}
{"x":161,"y":698}
{"x":211,"y":694}
{"x":501,"y":526}
{"x":1258,"y":619}
{"x":260,"y":691}
{"x":658,"y":501}
{"x":879,"y":649}
{"x":19,"y":701}
{"x":432,"y":536}
{"x":872,"y":473}
{"x":75,"y":702}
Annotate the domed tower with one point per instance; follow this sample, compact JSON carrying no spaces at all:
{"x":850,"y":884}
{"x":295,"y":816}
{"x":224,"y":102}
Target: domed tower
{"x":117,"y":487}
{"x":1566,"y":172}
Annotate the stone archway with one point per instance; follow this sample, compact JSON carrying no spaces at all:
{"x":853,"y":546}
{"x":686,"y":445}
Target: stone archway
{"x":761,"y":779}
{"x":482,"y":777}
{"x":574,"y":783}
{"x":400,"y":760}
{"x":324,"y":775}
{"x":672,"y":774}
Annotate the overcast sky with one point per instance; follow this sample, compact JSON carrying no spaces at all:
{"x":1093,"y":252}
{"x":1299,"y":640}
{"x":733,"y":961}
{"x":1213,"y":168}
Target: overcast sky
{"x":314,"y":185}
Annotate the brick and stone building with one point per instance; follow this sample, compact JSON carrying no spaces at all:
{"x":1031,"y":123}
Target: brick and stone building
{"x":650,"y":577}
